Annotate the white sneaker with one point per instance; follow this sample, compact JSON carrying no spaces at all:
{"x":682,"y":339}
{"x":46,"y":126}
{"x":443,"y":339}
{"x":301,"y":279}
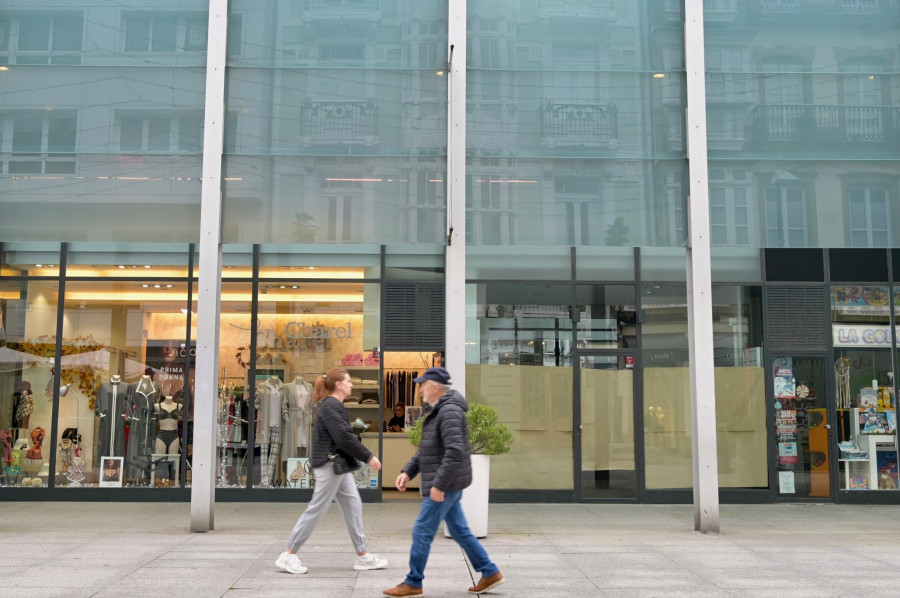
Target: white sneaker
{"x":290,"y":563}
{"x":368,"y":562}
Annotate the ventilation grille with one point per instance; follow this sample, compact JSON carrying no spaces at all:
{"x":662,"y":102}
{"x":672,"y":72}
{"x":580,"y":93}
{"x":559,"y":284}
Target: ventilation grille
{"x":796,"y":318}
{"x":414,"y":317}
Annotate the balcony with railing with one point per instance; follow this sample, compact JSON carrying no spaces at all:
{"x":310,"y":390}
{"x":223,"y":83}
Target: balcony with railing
{"x":566,"y":124}
{"x":338,"y":122}
{"x":585,"y":9}
{"x":805,"y":124}
{"x":843,"y":8}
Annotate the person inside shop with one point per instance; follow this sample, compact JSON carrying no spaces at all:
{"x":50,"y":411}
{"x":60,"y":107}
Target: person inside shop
{"x":399,"y":420}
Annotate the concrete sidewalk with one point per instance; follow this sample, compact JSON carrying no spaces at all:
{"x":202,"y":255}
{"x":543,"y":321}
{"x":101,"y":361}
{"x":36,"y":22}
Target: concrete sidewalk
{"x":145,"y":549}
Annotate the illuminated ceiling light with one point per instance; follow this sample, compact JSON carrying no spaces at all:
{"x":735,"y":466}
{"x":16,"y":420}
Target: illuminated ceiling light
{"x":39,"y":265}
{"x":168,"y":286}
{"x":146,"y":267}
{"x":146,"y":286}
{"x":312,"y":267}
{"x":659,"y":75}
{"x":4,"y":68}
{"x":871,"y":77}
{"x":440,"y":73}
{"x":282,"y":287}
{"x":157,"y":286}
{"x":120,"y":267}
{"x":293,"y":286}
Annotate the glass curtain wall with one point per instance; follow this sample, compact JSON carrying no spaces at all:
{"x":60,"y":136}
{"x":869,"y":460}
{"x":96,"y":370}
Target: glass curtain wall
{"x":802,"y":123}
{"x":574,"y":138}
{"x":101,"y":120}
{"x":336,"y":122}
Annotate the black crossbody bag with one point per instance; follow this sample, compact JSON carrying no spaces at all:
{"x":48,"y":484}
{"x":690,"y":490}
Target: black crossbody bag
{"x":343,"y":463}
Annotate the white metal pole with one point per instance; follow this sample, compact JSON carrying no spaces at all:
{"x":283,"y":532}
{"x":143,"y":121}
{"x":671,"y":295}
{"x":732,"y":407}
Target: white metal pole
{"x":210,"y":279}
{"x":699,"y":281}
{"x":455,"y":282}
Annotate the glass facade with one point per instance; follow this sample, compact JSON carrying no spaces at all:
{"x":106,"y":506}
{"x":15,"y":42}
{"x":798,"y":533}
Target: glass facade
{"x":336,"y":201}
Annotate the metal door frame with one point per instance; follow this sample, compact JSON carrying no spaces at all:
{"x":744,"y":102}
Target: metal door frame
{"x":637,"y":406}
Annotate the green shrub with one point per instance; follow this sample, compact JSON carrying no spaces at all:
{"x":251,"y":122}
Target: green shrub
{"x":487,"y":436}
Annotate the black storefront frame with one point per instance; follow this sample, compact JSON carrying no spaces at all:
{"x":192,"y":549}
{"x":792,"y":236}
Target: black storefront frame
{"x":181,"y":494}
{"x":827,"y":352}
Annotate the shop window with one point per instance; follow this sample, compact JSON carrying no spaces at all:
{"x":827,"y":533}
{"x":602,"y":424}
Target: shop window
{"x":45,"y":39}
{"x":864,"y":388}
{"x":39,"y":144}
{"x":786,"y":216}
{"x":869,"y":217}
{"x":166,"y":32}
{"x":519,"y":351}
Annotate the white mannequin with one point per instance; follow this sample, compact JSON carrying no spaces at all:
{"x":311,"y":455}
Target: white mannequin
{"x":168,"y":412}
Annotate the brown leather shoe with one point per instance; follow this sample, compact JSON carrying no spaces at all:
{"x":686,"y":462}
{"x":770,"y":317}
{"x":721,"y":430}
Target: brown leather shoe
{"x":487,"y":584}
{"x":403,"y":589}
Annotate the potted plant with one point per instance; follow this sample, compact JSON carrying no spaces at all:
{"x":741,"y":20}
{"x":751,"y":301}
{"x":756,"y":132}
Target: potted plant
{"x":487,"y":436}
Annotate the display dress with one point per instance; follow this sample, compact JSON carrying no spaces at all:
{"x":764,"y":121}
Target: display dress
{"x":142,"y":398}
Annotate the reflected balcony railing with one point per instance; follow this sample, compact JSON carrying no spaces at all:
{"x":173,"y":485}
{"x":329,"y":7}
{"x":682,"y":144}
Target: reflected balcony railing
{"x":832,"y":7}
{"x":339,"y":122}
{"x":598,"y":9}
{"x":722,"y":11}
{"x":818,"y":123}
{"x":565,"y":124}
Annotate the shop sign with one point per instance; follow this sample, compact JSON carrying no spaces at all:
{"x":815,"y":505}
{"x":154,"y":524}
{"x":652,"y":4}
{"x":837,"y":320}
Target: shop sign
{"x":861,"y":335}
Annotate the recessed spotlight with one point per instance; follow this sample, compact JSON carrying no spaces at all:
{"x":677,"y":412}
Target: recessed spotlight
{"x":293,"y":286}
{"x":4,"y":68}
{"x":147,"y":267}
{"x":146,"y":286}
{"x":120,"y":267}
{"x":312,"y":267}
{"x":168,"y":286}
{"x":39,"y":265}
{"x":282,"y":287}
{"x":659,"y":75}
{"x":157,"y":286}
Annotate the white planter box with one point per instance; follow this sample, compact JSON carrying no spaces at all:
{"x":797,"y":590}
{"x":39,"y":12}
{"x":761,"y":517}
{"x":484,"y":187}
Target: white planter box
{"x":475,"y":497}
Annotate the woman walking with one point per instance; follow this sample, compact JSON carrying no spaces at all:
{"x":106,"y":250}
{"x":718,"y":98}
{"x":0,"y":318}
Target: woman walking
{"x":333,"y":436}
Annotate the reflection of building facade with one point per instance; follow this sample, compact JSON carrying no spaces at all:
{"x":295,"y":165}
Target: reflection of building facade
{"x":335,"y":209}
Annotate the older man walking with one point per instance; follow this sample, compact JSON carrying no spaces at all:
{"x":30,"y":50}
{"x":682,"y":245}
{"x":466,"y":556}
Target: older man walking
{"x":443,"y":459}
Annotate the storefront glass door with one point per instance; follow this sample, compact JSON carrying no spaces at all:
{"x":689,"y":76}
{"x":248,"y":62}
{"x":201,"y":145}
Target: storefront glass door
{"x":802,"y":429}
{"x":605,"y":425}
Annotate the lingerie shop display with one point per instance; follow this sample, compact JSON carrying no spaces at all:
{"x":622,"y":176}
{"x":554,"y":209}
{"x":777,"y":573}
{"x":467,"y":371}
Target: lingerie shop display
{"x":142,"y":398}
{"x":128,"y":415}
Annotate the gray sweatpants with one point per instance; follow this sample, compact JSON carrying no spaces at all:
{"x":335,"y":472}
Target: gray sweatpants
{"x":340,"y":488}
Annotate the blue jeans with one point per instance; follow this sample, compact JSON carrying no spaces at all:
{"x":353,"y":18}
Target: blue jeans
{"x":426,"y":527}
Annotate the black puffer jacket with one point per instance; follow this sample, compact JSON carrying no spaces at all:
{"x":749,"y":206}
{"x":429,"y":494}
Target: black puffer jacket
{"x":443,"y":458}
{"x":333,"y":432}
